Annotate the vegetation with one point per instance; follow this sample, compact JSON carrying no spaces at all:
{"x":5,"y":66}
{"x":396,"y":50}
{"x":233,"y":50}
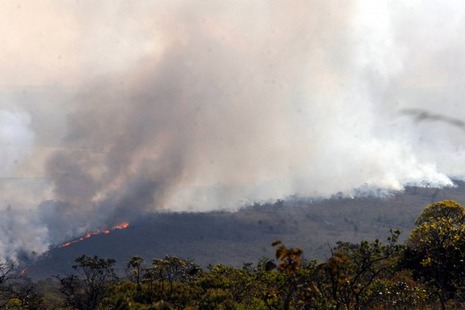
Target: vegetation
{"x":86,"y":289}
{"x":436,"y":249}
{"x":427,"y":271}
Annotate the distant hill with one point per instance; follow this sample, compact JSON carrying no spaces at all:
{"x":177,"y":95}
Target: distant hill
{"x":246,"y":235}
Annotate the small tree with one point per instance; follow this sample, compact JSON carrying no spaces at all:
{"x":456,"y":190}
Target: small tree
{"x":225,"y":287}
{"x":165,"y":274}
{"x":134,"y":268}
{"x":86,"y":289}
{"x":289,"y":283}
{"x":23,"y":295}
{"x":7,"y":277}
{"x":351,"y":271}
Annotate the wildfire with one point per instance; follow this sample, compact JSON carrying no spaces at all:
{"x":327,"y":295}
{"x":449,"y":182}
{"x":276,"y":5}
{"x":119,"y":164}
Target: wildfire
{"x":94,"y":233}
{"x":121,"y":226}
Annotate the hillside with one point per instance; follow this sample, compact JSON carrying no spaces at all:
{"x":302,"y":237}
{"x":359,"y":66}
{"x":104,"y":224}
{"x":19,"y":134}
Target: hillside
{"x":246,"y":235}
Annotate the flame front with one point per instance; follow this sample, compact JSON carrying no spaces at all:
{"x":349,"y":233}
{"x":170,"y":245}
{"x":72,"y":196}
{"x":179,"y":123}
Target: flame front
{"x":123,"y":225}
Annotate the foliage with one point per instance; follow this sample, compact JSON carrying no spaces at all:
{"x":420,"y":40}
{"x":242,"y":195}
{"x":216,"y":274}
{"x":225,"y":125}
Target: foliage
{"x":86,"y":289}
{"x":226,"y":287}
{"x":350,"y":274}
{"x":23,"y":295}
{"x":134,"y":268}
{"x":400,"y":292}
{"x":436,"y":249}
{"x":7,"y":275}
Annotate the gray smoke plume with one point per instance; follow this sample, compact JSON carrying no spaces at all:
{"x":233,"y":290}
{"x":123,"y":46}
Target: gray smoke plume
{"x":123,"y":108}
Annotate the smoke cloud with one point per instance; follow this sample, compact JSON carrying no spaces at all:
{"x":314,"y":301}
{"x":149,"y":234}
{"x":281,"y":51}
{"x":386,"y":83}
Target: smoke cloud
{"x":113,"y":109}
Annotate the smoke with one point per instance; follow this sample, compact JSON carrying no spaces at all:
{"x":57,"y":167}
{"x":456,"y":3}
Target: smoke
{"x":146,"y":106}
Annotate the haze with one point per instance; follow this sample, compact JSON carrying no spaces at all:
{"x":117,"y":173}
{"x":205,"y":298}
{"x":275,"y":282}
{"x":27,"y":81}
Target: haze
{"x":112,"y":109}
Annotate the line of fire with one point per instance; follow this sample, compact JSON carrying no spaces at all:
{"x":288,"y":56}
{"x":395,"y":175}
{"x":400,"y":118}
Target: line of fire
{"x":95,"y":233}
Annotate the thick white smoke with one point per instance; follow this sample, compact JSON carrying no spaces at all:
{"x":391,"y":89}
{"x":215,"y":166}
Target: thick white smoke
{"x":180,"y":105}
{"x":18,"y":230}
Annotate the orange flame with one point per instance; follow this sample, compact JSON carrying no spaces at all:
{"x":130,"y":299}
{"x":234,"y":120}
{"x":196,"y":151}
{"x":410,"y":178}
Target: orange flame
{"x":121,"y":226}
{"x":94,"y":233}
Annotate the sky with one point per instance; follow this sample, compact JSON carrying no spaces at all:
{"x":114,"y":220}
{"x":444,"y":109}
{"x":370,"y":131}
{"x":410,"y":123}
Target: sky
{"x":112,"y":109}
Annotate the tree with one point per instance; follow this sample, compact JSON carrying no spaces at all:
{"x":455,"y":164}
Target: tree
{"x":225,"y":287}
{"x":7,"y":274}
{"x":24,"y":295}
{"x":289,"y":283}
{"x":168,"y":279}
{"x":353,"y":269}
{"x":436,"y":249}
{"x":134,"y":267}
{"x":17,"y":291}
{"x":289,"y":262}
{"x":86,"y":289}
